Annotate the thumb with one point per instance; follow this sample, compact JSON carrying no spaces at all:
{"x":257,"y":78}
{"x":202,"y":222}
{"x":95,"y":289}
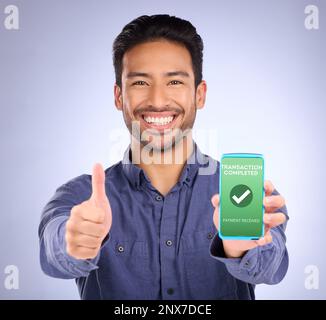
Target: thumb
{"x":215,"y":202}
{"x":98,"y":184}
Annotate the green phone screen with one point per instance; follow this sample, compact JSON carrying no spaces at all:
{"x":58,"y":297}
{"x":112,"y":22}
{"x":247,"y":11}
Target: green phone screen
{"x":241,"y":196}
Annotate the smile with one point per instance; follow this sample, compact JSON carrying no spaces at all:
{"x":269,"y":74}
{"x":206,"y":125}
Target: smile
{"x":159,"y":120}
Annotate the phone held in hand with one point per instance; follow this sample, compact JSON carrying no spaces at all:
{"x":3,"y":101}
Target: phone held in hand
{"x":241,"y":207}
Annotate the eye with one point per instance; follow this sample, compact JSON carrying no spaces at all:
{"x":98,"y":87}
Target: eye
{"x":140,"y":82}
{"x":174,"y":82}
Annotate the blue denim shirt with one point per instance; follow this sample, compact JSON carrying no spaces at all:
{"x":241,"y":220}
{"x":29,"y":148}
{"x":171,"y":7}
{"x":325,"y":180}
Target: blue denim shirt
{"x":159,"y":247}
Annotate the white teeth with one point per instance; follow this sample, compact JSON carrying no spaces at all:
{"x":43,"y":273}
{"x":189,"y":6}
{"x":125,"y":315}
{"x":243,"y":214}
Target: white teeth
{"x":159,"y":120}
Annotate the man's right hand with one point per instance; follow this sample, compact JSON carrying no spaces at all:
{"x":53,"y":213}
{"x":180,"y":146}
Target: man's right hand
{"x":90,"y":221}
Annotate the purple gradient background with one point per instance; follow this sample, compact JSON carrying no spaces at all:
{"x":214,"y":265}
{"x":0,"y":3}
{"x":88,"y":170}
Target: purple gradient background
{"x":266,"y":93}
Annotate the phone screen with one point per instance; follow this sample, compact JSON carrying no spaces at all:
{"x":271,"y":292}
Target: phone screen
{"x":241,"y":196}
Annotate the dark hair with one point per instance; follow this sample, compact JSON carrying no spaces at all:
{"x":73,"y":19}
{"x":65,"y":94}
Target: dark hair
{"x":148,"y":28}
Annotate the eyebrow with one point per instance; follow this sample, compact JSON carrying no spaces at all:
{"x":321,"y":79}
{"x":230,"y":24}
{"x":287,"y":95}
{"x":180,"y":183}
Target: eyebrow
{"x":135,"y":74}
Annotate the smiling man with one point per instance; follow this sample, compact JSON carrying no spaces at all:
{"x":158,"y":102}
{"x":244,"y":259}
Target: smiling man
{"x":146,"y":227}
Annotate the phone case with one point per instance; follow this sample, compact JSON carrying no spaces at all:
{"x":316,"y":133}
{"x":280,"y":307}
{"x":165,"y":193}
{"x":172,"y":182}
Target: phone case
{"x":240,"y":155}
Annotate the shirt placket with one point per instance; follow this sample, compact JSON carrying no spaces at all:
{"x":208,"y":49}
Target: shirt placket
{"x":167,"y":245}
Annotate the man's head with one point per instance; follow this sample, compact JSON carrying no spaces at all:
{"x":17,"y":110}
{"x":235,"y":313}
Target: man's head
{"x":158,"y":69}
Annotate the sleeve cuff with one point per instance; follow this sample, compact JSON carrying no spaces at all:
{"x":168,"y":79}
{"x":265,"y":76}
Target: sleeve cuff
{"x":247,"y":262}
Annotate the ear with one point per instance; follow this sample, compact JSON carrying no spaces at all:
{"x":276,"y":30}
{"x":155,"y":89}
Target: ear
{"x":201,"y":94}
{"x":118,"y":97}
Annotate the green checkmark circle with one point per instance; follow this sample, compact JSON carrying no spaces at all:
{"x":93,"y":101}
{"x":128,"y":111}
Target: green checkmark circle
{"x":241,"y":195}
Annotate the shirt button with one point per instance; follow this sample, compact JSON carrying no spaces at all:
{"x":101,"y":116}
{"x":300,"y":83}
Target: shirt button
{"x":187,"y":179}
{"x":121,"y":248}
{"x":170,"y":291}
{"x":209,"y":235}
{"x":158,"y":198}
{"x":169,"y":243}
{"x":247,"y":263}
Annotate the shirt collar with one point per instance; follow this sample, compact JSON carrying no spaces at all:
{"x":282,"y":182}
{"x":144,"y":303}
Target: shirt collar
{"x":136,"y":175}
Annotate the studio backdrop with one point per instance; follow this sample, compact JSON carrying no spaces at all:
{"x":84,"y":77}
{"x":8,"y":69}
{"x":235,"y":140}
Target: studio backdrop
{"x":264,"y":63}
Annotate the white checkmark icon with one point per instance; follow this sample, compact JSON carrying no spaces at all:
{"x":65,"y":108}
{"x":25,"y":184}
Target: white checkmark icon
{"x":244,"y":195}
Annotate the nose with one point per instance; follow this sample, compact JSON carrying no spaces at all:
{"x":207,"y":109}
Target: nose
{"x":158,"y":97}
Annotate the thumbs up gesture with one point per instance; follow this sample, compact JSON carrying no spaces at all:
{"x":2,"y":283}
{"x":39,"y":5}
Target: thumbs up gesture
{"x":90,"y":221}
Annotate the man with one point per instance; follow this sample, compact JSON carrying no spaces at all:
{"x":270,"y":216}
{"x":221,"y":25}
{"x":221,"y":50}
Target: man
{"x":146,"y":228}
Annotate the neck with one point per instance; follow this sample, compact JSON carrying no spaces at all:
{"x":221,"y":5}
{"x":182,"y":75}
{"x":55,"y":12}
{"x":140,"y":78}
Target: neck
{"x":163,"y":168}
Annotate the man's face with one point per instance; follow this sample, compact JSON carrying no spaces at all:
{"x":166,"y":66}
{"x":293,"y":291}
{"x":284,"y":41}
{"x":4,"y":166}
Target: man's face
{"x":158,"y":92}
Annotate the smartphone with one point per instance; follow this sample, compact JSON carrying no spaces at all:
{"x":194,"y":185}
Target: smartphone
{"x":242,"y":191}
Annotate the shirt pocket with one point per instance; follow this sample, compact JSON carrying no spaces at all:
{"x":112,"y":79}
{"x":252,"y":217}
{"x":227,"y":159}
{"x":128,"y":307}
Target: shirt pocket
{"x":198,"y":263}
{"x":206,"y":277}
{"x":126,"y":259}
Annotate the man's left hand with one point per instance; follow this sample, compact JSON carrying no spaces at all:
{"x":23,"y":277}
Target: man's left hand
{"x":272,"y":218}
